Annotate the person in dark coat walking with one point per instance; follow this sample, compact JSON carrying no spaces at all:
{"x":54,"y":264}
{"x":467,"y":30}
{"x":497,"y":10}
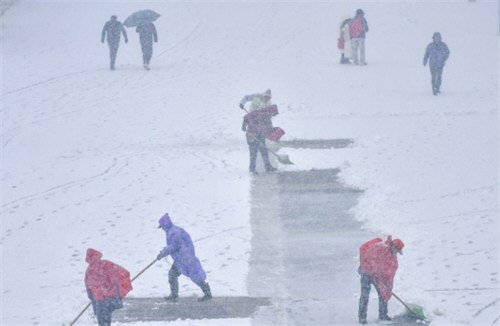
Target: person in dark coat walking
{"x":107,"y":284}
{"x":147,"y":34}
{"x":436,"y":53}
{"x":181,"y":248}
{"x":112,"y":29}
{"x":378,"y":263}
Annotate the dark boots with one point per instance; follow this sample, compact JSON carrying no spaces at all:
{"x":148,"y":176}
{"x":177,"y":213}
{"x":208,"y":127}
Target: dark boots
{"x":344,"y":60}
{"x":173,"y":280}
{"x":207,"y":294}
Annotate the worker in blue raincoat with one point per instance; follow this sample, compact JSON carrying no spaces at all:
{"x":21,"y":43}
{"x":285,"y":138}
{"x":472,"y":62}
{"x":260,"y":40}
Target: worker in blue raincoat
{"x":181,"y":248}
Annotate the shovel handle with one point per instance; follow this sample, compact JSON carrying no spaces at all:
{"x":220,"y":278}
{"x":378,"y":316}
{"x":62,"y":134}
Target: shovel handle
{"x":143,"y":270}
{"x":80,"y":314}
{"x":398,"y":298}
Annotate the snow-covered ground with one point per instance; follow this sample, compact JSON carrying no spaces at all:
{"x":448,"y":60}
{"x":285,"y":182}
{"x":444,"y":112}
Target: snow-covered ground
{"x":93,"y":158}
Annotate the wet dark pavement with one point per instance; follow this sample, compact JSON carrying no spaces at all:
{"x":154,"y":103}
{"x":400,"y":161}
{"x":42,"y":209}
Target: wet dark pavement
{"x":303,"y":265}
{"x":305,"y":243}
{"x":158,"y":309}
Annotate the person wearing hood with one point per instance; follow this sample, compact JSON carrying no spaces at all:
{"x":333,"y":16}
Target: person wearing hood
{"x":257,"y":101}
{"x":437,"y":52}
{"x":107,"y":284}
{"x":111,"y":32}
{"x":181,"y":248}
{"x":378,"y":266}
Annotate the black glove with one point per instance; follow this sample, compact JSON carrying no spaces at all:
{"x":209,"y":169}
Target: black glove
{"x":242,"y":106}
{"x":160,"y":256}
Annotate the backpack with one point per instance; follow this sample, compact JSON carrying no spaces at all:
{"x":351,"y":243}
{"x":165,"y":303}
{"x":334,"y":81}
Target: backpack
{"x":356,"y":28}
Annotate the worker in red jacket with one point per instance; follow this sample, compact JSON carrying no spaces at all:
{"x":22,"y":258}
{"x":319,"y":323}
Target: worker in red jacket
{"x":107,"y":284}
{"x":259,"y":127}
{"x":378,"y":265}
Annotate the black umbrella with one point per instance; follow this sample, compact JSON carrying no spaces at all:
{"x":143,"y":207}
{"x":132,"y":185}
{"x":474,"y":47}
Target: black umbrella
{"x":141,"y":16}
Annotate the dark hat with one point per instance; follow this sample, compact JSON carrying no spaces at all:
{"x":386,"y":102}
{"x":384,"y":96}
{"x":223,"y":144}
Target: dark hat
{"x":359,"y":12}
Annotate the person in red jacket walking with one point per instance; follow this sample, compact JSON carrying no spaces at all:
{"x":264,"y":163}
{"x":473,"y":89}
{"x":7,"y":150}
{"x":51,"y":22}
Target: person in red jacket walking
{"x":107,"y":284}
{"x":378,"y":265}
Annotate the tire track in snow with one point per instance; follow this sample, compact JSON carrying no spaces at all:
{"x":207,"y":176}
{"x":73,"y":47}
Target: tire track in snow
{"x":68,"y":184}
{"x":46,"y":81}
{"x":182,"y":41}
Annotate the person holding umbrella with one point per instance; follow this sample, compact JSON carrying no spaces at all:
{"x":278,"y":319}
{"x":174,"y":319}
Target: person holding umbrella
{"x":147,"y":33}
{"x":112,"y":28}
{"x":378,"y":265}
{"x":143,"y":21}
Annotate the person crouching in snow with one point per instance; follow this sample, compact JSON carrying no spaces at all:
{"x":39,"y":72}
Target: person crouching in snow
{"x":181,"y":248}
{"x":378,"y":265}
{"x":107,"y":284}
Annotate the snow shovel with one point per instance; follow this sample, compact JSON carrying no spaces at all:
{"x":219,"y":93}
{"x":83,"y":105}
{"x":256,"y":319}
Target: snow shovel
{"x":88,"y":305}
{"x":413,"y":310}
{"x":282,"y":158}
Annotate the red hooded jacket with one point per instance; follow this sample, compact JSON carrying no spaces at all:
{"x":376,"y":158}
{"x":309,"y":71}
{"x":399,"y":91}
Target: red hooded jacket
{"x":103,"y":276}
{"x":378,"y":261}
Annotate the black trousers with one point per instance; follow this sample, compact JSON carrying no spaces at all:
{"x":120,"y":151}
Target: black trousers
{"x":366,"y":282}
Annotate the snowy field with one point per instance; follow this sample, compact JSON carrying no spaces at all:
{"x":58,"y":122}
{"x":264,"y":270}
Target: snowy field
{"x":93,"y":157}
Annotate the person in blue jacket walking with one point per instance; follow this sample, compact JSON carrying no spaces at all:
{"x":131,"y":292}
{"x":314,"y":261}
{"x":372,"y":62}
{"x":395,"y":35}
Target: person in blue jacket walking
{"x":181,"y":248}
{"x":436,"y":53}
